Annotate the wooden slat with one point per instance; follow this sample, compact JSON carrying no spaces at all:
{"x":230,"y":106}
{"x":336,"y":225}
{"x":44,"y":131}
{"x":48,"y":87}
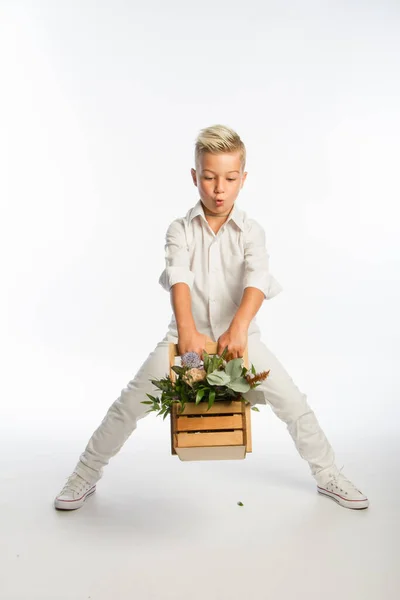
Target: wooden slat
{"x":212,"y":453}
{"x":219,"y":407}
{"x":190,"y":440}
{"x":247,"y":428}
{"x":211,"y":348}
{"x":172,"y":349}
{"x":213,"y":422}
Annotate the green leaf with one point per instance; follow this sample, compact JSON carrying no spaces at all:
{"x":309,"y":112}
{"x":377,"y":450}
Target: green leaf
{"x":184,"y":394}
{"x":240,"y":503}
{"x":211,"y":398}
{"x":224,"y":351}
{"x":158,"y":384}
{"x":255,"y":408}
{"x":239,"y":385}
{"x":253,"y":369}
{"x":152,"y":397}
{"x":218,"y":378}
{"x":178,"y":370}
{"x":215,"y":362}
{"x":147,"y":402}
{"x":199,"y":395}
{"x":234,"y":368}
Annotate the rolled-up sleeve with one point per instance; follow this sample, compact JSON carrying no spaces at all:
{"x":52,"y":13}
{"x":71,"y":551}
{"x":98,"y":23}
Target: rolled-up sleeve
{"x":256,"y":259}
{"x":177,"y":267}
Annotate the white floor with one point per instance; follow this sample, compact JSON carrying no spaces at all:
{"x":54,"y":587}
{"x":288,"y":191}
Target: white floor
{"x":159,"y":528}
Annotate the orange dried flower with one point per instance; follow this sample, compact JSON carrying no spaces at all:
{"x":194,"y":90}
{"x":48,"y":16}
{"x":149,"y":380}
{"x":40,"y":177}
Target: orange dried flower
{"x":252,"y":379}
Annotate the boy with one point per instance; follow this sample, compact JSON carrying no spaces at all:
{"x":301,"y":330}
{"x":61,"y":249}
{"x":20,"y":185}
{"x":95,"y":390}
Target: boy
{"x":217,"y":273}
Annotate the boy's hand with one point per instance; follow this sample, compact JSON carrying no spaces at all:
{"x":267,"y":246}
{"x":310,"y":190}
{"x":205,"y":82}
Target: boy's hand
{"x":193,"y":341}
{"x":235,"y":337}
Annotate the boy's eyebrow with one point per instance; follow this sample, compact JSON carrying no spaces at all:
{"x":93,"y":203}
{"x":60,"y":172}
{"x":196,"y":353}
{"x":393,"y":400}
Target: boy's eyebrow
{"x":227,"y":171}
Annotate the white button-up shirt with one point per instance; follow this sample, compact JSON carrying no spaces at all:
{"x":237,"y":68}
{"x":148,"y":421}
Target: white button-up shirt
{"x":217,"y":267}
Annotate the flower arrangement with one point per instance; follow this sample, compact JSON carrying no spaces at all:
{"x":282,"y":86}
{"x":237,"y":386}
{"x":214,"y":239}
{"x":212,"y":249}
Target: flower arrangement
{"x":209,"y":381}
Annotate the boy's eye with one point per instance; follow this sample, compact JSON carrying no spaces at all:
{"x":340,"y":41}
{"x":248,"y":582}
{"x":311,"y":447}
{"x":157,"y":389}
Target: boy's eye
{"x":228,"y":178}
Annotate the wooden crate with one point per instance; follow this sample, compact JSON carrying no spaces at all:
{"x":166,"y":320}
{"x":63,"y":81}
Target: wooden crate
{"x":221,"y":433}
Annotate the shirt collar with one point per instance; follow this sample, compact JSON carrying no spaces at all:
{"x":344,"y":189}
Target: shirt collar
{"x":236,"y":214}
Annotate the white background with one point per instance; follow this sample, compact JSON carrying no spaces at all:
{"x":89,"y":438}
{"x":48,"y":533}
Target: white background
{"x":100,"y":106}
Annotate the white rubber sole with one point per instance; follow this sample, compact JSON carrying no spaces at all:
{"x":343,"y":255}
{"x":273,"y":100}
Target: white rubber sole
{"x":73,"y":504}
{"x":353,"y":504}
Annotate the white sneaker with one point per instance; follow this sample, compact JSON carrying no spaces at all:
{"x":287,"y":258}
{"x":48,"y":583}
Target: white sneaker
{"x":74,"y":493}
{"x":340,"y":489}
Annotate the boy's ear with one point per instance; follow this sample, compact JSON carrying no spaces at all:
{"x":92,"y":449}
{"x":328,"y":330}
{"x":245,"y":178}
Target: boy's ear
{"x":194,"y":176}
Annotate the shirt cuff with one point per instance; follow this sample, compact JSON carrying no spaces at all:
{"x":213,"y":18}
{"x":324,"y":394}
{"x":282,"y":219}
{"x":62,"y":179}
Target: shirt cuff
{"x":267,"y":284}
{"x":172,"y":275}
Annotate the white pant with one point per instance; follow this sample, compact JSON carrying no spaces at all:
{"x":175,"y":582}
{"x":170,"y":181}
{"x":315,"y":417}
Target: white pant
{"x":278,"y":390}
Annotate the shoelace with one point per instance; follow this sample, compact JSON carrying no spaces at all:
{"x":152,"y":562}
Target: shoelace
{"x":336,"y":479}
{"x":76,"y":484}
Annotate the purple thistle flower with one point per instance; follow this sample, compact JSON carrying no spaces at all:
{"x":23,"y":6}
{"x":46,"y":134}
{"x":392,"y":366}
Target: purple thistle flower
{"x":191,"y":359}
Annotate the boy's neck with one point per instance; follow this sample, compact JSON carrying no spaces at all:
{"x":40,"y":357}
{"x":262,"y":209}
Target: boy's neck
{"x":211,"y":215}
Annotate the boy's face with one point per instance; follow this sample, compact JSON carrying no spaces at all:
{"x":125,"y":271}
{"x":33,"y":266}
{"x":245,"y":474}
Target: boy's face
{"x":219,"y":179}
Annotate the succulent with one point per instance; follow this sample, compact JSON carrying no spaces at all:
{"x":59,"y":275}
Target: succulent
{"x":194,"y":375}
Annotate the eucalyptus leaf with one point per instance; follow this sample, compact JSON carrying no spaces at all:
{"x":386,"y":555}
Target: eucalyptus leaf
{"x":239,"y":385}
{"x":234,"y":368}
{"x":218,"y":378}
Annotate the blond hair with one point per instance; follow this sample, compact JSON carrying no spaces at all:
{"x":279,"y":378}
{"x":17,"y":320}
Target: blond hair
{"x":217,"y":139}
